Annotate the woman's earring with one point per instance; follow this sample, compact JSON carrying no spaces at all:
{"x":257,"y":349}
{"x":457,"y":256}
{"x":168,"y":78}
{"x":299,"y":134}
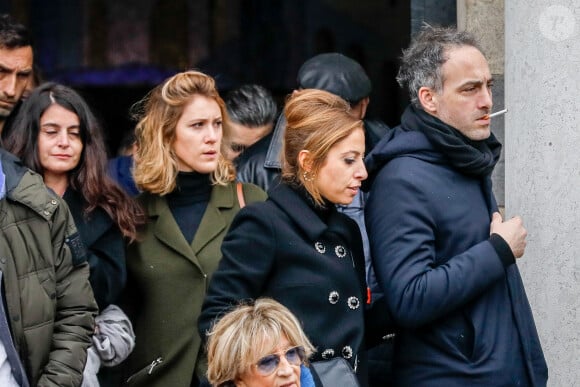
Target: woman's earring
{"x":307,"y":177}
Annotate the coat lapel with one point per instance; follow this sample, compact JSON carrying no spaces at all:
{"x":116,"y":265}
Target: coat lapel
{"x":486,"y":187}
{"x":297,"y":210}
{"x":213,"y":222}
{"x":167,"y":230}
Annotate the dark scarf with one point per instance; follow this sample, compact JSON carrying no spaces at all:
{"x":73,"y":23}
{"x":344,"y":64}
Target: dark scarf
{"x":474,"y":158}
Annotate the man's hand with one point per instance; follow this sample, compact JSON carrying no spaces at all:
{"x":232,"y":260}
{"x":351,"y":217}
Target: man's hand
{"x":512,"y":231}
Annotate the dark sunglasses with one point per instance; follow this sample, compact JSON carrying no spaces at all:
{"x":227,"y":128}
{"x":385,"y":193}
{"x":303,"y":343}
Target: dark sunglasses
{"x":268,"y":364}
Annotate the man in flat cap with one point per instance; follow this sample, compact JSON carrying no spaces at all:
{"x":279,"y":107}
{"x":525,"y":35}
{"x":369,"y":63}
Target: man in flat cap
{"x":331,"y":72}
{"x":339,"y":75}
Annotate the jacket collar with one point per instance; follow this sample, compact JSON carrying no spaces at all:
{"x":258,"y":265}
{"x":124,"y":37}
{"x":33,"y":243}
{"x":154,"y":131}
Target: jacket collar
{"x":221,"y":197}
{"x":338,"y":225}
{"x":273,"y":159}
{"x":297,"y":210}
{"x":212,"y":223}
{"x":25,"y":186}
{"x":13,"y":169}
{"x":300,"y":212}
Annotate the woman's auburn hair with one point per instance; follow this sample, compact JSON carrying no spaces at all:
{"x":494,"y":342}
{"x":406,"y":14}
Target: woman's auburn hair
{"x":316,"y":120}
{"x":155,"y":169}
{"x":247,"y":333}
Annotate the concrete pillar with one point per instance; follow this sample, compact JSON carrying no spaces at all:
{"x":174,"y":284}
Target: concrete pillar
{"x":543,"y":168}
{"x":485,"y":18}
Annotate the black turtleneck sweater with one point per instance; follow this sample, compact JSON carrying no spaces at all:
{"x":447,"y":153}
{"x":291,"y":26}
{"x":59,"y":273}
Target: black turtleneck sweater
{"x":188,"y":201}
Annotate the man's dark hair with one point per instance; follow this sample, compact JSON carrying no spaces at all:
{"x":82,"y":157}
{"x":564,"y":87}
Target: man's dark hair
{"x":251,"y":105}
{"x":12,"y":33}
{"x":421,"y":63}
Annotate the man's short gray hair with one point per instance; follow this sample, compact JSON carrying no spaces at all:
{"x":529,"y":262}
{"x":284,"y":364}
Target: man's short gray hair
{"x":251,"y":106}
{"x":421,"y":63}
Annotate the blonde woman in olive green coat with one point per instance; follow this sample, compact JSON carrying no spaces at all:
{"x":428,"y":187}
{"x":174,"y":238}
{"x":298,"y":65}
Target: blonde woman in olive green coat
{"x":191,"y":198}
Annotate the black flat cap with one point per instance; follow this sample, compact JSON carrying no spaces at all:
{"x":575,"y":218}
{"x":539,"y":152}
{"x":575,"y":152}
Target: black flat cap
{"x":337,"y":74}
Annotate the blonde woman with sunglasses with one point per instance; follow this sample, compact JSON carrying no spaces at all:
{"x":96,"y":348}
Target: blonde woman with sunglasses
{"x":260,"y":344}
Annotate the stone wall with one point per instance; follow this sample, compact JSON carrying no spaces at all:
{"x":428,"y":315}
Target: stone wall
{"x":542,"y":171}
{"x":485,"y":19}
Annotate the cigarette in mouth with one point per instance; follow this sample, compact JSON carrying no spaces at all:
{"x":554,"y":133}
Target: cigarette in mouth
{"x":504,"y":111}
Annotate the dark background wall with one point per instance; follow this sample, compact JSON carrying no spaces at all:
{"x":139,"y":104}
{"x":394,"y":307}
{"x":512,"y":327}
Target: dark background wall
{"x":114,"y":51}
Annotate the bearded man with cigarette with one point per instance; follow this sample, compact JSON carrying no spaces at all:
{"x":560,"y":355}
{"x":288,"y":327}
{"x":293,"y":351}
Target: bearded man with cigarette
{"x":443,"y":255}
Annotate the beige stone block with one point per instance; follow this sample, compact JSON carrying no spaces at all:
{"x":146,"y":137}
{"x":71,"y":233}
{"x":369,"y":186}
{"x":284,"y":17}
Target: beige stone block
{"x":485,"y":18}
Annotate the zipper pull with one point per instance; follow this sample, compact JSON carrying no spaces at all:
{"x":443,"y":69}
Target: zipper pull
{"x":154,"y":364}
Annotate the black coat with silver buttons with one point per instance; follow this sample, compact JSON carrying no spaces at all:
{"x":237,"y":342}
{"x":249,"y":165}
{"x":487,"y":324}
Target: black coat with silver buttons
{"x":309,"y":259}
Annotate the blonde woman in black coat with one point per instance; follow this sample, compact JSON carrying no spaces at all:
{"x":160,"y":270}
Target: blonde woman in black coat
{"x":295,"y":247}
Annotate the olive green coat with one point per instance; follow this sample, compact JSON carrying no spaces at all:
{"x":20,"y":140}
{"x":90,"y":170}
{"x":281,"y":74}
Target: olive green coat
{"x":166,"y":286}
{"x":49,"y":302}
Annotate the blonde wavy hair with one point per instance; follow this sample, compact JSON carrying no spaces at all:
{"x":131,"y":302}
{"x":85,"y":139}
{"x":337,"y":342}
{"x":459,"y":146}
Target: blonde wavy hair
{"x":246,"y":334}
{"x":156,"y":165}
{"x":316,"y":121}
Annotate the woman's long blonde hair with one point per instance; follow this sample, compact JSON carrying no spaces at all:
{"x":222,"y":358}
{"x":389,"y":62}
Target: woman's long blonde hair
{"x":156,"y":167}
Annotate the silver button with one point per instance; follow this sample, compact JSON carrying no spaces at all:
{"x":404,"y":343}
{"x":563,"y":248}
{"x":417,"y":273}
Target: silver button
{"x":333,"y":297}
{"x":53,"y":202}
{"x":340,"y":251}
{"x":319,"y":246}
{"x":327,"y":353}
{"x":353,"y":302}
{"x":347,"y":352}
